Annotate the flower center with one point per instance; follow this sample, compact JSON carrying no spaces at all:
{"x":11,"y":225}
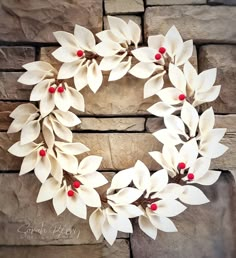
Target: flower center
{"x":153,"y":207}
{"x":158,"y":56}
{"x":182,"y":97}
{"x":51,"y":90}
{"x":80,"y":53}
{"x":181,"y":165}
{"x":190,"y":176}
{"x":162,"y":50}
{"x":76,"y":184}
{"x":60,"y":89}
{"x":70,"y":193}
{"x":42,"y":153}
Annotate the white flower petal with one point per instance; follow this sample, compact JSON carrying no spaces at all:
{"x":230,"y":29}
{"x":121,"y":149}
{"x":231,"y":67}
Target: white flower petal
{"x":145,"y":54}
{"x":156,"y":42}
{"x":158,"y":157}
{"x":110,"y":62}
{"x":209,"y":178}
{"x":134,"y":32}
{"x":109,"y":232}
{"x":23,"y":109}
{"x":30,"y":132}
{"x":40,"y":90}
{"x":213,"y":150}
{"x":119,"y":27}
{"x":184,"y":53}
{"x":93,"y":180}
{"x":207,"y":96}
{"x":48,"y":134}
{"x":147,"y":227}
{"x":192,"y":195}
{"x":107,"y":35}
{"x":96,"y":221}
{"x":61,"y":131}
{"x":120,"y":223}
{"x":171,"y":191}
{"x":158,"y":181}
{"x":175,"y":124}
{"x":39,"y":66}
{"x":141,"y":176}
{"x":43,"y":169}
{"x":17,"y":124}
{"x":59,"y":200}
{"x":66,"y":39}
{"x":200,"y":167}
{"x":170,"y":95}
{"x":206,"y":121}
{"x":122,"y":179}
{"x":191,"y":76}
{"x":89,"y":164}
{"x":129,"y":211}
{"x":213,"y":136}
{"x":169,"y":208}
{"x":161,"y":109}
{"x":94,"y":76}
{"x":67,"y":162}
{"x":56,"y":170}
{"x":84,"y":37}
{"x":190,"y":117}
{"x":68,"y":118}
{"x":80,"y":78}
{"x":74,"y":148}
{"x":76,"y":206}
{"x":69,"y":70}
{"x":167,"y":137}
{"x":22,"y":150}
{"x":32,"y":77}
{"x":163,"y":223}
{"x":66,"y":54}
{"x":48,"y":190}
{"x":76,"y":99}
{"x":29,"y":163}
{"x":153,"y":85}
{"x":62,"y":100}
{"x":171,"y":156}
{"x":174,"y":40}
{"x":206,"y":80}
{"x":107,"y":48}
{"x":126,"y":195}
{"x":143,"y":70}
{"x":89,"y":196}
{"x":177,"y":78}
{"x":120,"y":70}
{"x":189,"y":152}
{"x":46,"y":104}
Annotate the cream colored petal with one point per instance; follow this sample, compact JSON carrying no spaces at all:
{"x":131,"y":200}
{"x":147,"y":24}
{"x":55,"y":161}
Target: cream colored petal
{"x":193,"y":196}
{"x":48,"y":134}
{"x":59,"y":200}
{"x":96,"y":221}
{"x":110,"y":62}
{"x":32,"y":77}
{"x":191,"y":76}
{"x":167,"y":137}
{"x":134,"y":32}
{"x":183,"y":54}
{"x":76,"y":206}
{"x":153,"y":85}
{"x":43,"y":169}
{"x":39,"y":66}
{"x":94,"y":76}
{"x":24,"y":109}
{"x":68,"y":118}
{"x":170,"y":95}
{"x":141,"y":177}
{"x":177,"y":78}
{"x":120,"y":70}
{"x":161,"y":109}
{"x":80,"y":78}
{"x":69,"y":70}
{"x":145,"y":54}
{"x":89,"y":164}
{"x":62,"y":100}
{"x":30,"y":132}
{"x":89,"y":196}
{"x":206,"y":121}
{"x":122,"y":179}
{"x":67,"y":162}
{"x":66,"y":54}
{"x":76,"y":99}
{"x":107,"y":35}
{"x":107,"y":48}
{"x":174,"y":40}
{"x":29,"y":162}
{"x":156,"y":42}
{"x":142,"y":70}
{"x":84,"y":37}
{"x":61,"y":131}
{"x":47,"y":104}
{"x":20,"y":150}
{"x":74,"y":148}
{"x":40,"y":90}
{"x":109,"y":232}
{"x":66,"y":39}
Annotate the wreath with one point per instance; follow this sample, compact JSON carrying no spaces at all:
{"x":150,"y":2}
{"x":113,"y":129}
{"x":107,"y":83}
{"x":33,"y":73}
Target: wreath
{"x":189,"y":140}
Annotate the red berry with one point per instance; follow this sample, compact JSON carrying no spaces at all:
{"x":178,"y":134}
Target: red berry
{"x":76,"y":184}
{"x":70,"y":193}
{"x":60,"y":89}
{"x":42,"y":153}
{"x":80,"y":53}
{"x":158,"y":56}
{"x":190,"y":176}
{"x":181,"y":165}
{"x":153,"y":207}
{"x":51,"y":89}
{"x":162,"y":50}
{"x":182,"y":97}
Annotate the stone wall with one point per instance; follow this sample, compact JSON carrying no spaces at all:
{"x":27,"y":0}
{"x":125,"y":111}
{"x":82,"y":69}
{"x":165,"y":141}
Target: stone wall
{"x":116,"y":126}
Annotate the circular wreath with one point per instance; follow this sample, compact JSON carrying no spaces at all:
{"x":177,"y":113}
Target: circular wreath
{"x":189,"y":140}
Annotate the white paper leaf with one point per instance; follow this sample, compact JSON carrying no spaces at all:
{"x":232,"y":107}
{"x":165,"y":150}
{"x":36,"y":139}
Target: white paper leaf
{"x":161,"y":109}
{"x":69,"y":70}
{"x":30,"y":132}
{"x":110,"y":62}
{"x":206,"y":80}
{"x":23,"y":109}
{"x":145,"y":54}
{"x":68,"y":118}
{"x":147,"y":227}
{"x":84,"y":37}
{"x":40,"y":90}
{"x":119,"y":27}
{"x":22,"y":150}
{"x":141,"y":176}
{"x":153,"y":85}
{"x":206,"y":121}
{"x":183,"y":54}
{"x":89,"y":196}
{"x":142,"y":70}
{"x":177,"y":78}
{"x":80,"y":78}
{"x":109,"y":232}
{"x":46,"y":104}
{"x":209,"y":178}
{"x":32,"y":77}
{"x":213,"y":150}
{"x":96,"y":221}
{"x":76,"y":99}
{"x":107,"y":35}
{"x":169,"y":208}
{"x":171,"y":191}
{"x":48,"y":134}
{"x":67,"y":162}
{"x":192,"y":195}
{"x":122,"y":179}
{"x":163,"y":223}
{"x":207,"y":96}
{"x":66,"y":39}
{"x":158,"y":181}
{"x":62,"y":100}
{"x":94,"y":76}
{"x":170,"y":95}
{"x":43,"y":169}
{"x":167,"y":137}
{"x":93,"y":180}
{"x":76,"y":206}
{"x":29,"y":163}
{"x":120,"y":70}
{"x":120,"y":223}
{"x":107,"y":48}
{"x":129,"y":211}
{"x":134,"y":32}
{"x":175,"y":124}
{"x":59,"y":201}
{"x":189,"y":152}
{"x":156,"y":41}
{"x":66,"y":54}
{"x":174,"y":40}
{"x":190,"y":76}
{"x":61,"y":131}
{"x":89,"y":164}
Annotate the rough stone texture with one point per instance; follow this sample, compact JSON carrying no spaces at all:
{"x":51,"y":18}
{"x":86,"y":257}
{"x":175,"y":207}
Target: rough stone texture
{"x":225,"y":2}
{"x":201,"y":23}
{"x":46,"y":55}
{"x":24,"y":222}
{"x":119,"y":151}
{"x":123,"y":6}
{"x":15,"y":57}
{"x":175,"y":2}
{"x":113,"y":124}
{"x":221,"y":121}
{"x":34,"y":21}
{"x":204,"y":231}
{"x":224,"y":58}
{"x":119,"y":249}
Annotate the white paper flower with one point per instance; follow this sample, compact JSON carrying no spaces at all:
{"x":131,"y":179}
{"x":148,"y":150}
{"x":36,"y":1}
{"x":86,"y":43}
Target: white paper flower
{"x":77,"y":52}
{"x":162,"y":51}
{"x":115,"y":46}
{"x":106,"y":222}
{"x":199,"y":173}
{"x":175,"y":161}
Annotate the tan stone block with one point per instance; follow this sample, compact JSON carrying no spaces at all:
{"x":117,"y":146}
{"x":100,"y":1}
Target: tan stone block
{"x":201,"y":23}
{"x":175,"y":2}
{"x":35,"y":21}
{"x":123,"y":6}
{"x":223,"y":57}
